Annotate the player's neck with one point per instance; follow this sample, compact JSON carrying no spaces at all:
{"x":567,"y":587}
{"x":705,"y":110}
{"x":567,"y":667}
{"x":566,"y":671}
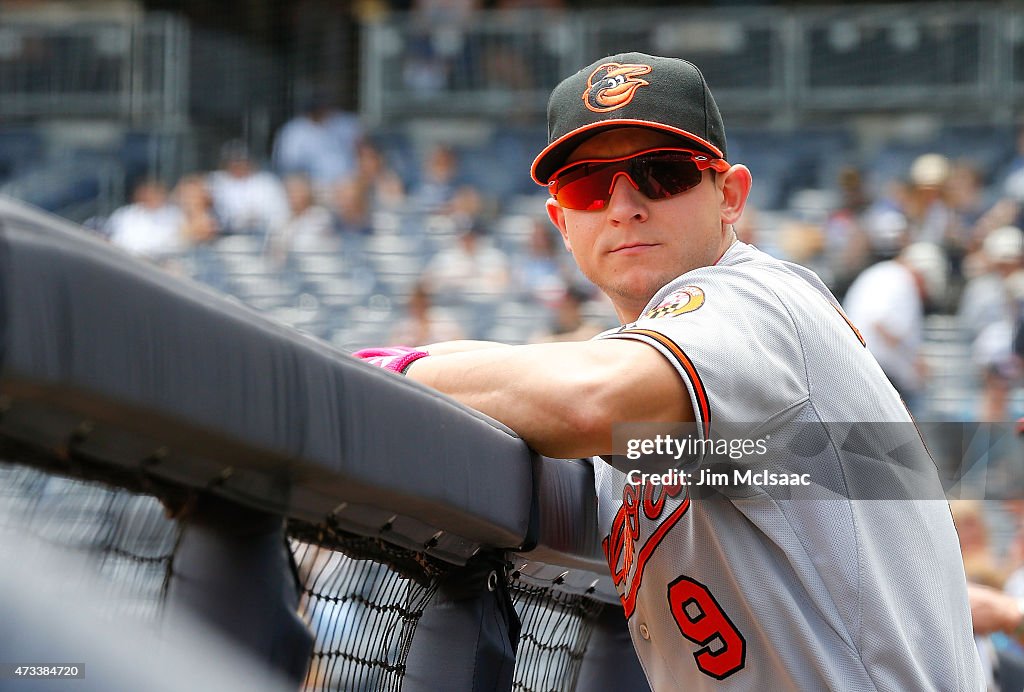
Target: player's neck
{"x":628,"y":313}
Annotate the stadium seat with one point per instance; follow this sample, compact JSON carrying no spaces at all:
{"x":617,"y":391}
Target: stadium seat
{"x":19,"y":148}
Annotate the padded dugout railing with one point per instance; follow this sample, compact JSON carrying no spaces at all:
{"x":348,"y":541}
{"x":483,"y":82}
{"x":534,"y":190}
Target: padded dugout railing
{"x":123,"y":377}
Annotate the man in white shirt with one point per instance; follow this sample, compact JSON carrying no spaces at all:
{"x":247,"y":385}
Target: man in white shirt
{"x":887,"y":303}
{"x":150,"y":226}
{"x":246,"y":199}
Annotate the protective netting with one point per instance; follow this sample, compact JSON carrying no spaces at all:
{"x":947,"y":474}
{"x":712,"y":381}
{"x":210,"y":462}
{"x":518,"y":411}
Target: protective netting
{"x":125,"y":537}
{"x":556,"y":630}
{"x":364,"y":616}
{"x":361,"y":597}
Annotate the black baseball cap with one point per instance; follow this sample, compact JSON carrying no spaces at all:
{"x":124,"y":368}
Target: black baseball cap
{"x":630,"y":90}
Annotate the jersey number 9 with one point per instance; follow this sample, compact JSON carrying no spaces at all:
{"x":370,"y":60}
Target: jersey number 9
{"x":723,"y":650}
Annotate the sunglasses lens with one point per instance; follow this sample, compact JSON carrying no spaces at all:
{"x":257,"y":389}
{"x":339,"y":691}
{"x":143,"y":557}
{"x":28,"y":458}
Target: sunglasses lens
{"x":587,"y":187}
{"x":589,"y":192}
{"x":666,"y":177}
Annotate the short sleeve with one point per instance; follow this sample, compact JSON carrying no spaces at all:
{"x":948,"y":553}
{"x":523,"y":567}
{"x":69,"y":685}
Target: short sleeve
{"x":732,"y":342}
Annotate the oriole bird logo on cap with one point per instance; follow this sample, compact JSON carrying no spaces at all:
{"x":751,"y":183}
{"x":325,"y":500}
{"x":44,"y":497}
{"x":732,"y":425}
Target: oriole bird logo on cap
{"x":612,"y":85}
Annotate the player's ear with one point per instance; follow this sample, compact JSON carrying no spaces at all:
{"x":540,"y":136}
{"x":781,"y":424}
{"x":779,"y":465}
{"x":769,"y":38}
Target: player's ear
{"x":557,"y":216}
{"x":735,"y":185}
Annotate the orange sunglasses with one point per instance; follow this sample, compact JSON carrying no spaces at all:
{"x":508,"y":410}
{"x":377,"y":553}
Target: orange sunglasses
{"x":657,"y":173}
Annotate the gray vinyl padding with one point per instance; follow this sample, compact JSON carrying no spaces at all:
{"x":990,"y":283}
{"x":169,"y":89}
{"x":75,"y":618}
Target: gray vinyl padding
{"x":145,"y":373}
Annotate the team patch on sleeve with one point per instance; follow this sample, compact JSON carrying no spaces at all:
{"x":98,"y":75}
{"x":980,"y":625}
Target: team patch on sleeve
{"x":687,"y":299}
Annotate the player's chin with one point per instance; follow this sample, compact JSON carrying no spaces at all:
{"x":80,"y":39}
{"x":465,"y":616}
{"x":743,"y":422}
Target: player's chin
{"x":639,"y":285}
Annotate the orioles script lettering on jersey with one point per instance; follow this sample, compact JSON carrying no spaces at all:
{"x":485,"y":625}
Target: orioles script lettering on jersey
{"x":647,"y":513}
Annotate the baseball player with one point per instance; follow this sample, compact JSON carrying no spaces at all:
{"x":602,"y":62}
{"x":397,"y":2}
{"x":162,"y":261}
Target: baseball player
{"x":849,"y":577}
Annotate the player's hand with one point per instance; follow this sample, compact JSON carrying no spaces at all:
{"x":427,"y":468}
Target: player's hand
{"x":393,"y":358}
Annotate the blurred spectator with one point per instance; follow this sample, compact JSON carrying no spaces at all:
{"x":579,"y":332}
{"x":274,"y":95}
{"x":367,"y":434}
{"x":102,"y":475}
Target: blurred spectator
{"x":982,"y":568}
{"x":980,"y":562}
{"x":1016,"y":283}
{"x":965,"y":192}
{"x":802,"y":242}
{"x":424,"y":323}
{"x":887,"y":231}
{"x":985,"y":299}
{"x":926,"y":207}
{"x":993,"y":354}
{"x":308,"y":221}
{"x":425,"y":70}
{"x":199,"y":223}
{"x":540,"y":274}
{"x":320,"y":142}
{"x":379,"y":180}
{"x":991,"y":313}
{"x":1013,"y":182}
{"x":150,"y":226}
{"x":437,"y":44}
{"x":746,"y":228}
{"x":467,"y":207}
{"x":569,"y":323}
{"x":471,"y":266}
{"x":965,"y":195}
{"x":373,"y":186}
{"x":887,"y":303}
{"x":1008,"y":210}
{"x":847,"y":246}
{"x":246,"y":199}
{"x":438,"y":180}
{"x":352,"y":207}
{"x":1014,"y":506}
{"x":998,"y":619}
{"x":444,"y":13}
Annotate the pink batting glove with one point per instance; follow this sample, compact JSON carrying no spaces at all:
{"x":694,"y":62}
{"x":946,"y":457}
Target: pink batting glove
{"x":393,"y":358}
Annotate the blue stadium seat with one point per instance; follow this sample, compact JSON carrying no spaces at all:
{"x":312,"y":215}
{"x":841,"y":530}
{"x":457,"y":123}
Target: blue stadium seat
{"x":989,"y":147}
{"x":19,"y":148}
{"x":60,"y":187}
{"x":784,"y":163}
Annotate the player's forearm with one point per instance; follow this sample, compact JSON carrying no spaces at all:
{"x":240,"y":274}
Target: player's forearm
{"x":563,"y":398}
{"x":443,"y":348}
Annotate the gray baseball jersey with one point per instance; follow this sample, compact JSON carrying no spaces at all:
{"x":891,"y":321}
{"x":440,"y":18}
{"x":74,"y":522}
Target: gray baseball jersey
{"x":853,"y":581}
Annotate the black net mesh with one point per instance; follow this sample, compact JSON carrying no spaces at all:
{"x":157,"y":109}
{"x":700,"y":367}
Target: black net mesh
{"x":556,"y":630}
{"x":364,"y":616}
{"x":360,"y":596}
{"x":124,"y":536}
